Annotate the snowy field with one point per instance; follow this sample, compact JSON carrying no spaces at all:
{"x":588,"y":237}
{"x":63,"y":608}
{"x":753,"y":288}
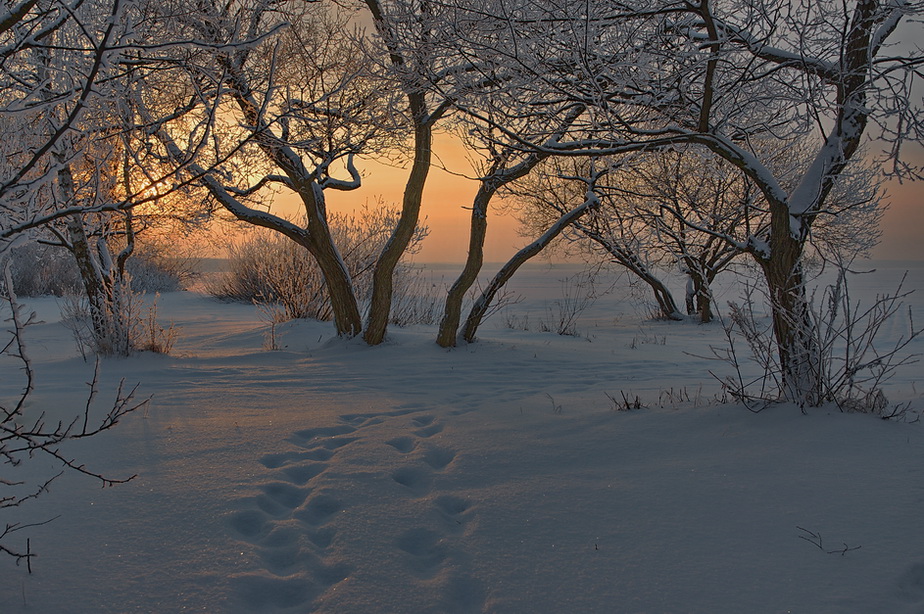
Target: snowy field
{"x":496,"y":477}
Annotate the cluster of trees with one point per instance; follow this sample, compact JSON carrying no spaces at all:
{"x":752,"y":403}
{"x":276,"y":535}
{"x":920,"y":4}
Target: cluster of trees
{"x":689,"y":130}
{"x":692,"y":132}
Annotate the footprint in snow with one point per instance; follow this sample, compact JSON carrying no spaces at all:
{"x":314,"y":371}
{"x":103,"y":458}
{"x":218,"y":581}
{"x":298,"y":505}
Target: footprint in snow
{"x":423,"y":421}
{"x":438,"y":458}
{"x":425,"y":551}
{"x":281,"y":553}
{"x":415,"y":479}
{"x":454,"y":510}
{"x":403,"y":444}
{"x":335,"y":443}
{"x":248,"y":523}
{"x":321,"y":537}
{"x":429,"y":431}
{"x":319,"y":509}
{"x":302,"y":474}
{"x":365,"y":419}
{"x":283,"y":494}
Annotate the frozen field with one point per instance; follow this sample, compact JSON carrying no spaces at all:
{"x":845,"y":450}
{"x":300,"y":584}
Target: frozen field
{"x":328,"y":476}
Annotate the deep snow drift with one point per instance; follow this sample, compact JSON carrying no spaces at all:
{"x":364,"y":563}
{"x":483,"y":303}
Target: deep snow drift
{"x":495,"y":477}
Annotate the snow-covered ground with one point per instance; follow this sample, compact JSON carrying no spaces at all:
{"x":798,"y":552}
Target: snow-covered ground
{"x":496,"y":477}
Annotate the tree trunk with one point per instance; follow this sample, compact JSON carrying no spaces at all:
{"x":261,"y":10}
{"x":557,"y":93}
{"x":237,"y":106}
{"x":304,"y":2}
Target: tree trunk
{"x":702,"y":294}
{"x":382,"y":276}
{"x":98,"y":292}
{"x":667,"y":306}
{"x":793,"y":328}
{"x":337,"y":279}
{"x":452,"y":312}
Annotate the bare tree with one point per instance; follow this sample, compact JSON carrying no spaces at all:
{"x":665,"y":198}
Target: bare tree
{"x":71,"y":175}
{"x":63,"y":74}
{"x":26,"y":433}
{"x":614,"y":230}
{"x":281,"y":101}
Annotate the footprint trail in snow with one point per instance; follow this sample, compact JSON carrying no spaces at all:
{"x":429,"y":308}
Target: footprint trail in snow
{"x":294,"y":521}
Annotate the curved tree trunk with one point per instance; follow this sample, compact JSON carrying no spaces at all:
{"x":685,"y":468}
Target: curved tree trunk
{"x":667,"y":306}
{"x":452,"y":311}
{"x":480,"y":308}
{"x":382,"y":276}
{"x":320,"y":244}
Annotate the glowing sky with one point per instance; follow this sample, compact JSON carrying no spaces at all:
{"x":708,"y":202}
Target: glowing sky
{"x":449,"y":195}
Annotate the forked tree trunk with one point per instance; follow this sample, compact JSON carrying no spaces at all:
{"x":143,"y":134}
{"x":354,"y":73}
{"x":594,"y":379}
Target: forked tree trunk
{"x":452,"y":312}
{"x":700,"y":296}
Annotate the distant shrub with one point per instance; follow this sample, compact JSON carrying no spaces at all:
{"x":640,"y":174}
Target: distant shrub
{"x":156,"y":268}
{"x":46,"y":270}
{"x":266,"y":267}
{"x":42,"y":270}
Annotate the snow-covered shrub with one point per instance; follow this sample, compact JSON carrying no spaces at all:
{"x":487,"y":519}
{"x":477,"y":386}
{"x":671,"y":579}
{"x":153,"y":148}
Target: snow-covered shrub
{"x":267,"y":267}
{"x":122,"y":325}
{"x":154,"y":268}
{"x":113,"y":328}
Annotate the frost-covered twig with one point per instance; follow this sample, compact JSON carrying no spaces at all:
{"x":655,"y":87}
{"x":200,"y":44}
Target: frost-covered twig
{"x":815,"y":539}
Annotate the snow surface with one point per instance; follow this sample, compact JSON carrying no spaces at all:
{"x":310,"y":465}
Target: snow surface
{"x":495,"y":477}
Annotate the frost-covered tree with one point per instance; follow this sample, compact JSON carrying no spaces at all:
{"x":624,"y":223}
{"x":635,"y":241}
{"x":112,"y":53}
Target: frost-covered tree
{"x":280,"y":99}
{"x":59,"y":62}
{"x":71,"y":173}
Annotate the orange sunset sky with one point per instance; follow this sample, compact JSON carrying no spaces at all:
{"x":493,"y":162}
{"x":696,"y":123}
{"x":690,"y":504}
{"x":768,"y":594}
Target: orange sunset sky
{"x":448,"y":195}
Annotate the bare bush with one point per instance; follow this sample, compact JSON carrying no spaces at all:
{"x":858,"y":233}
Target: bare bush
{"x":851,"y":365}
{"x":113,"y":329}
{"x":579,"y":292}
{"x":266,"y":267}
{"x":415,"y":299}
